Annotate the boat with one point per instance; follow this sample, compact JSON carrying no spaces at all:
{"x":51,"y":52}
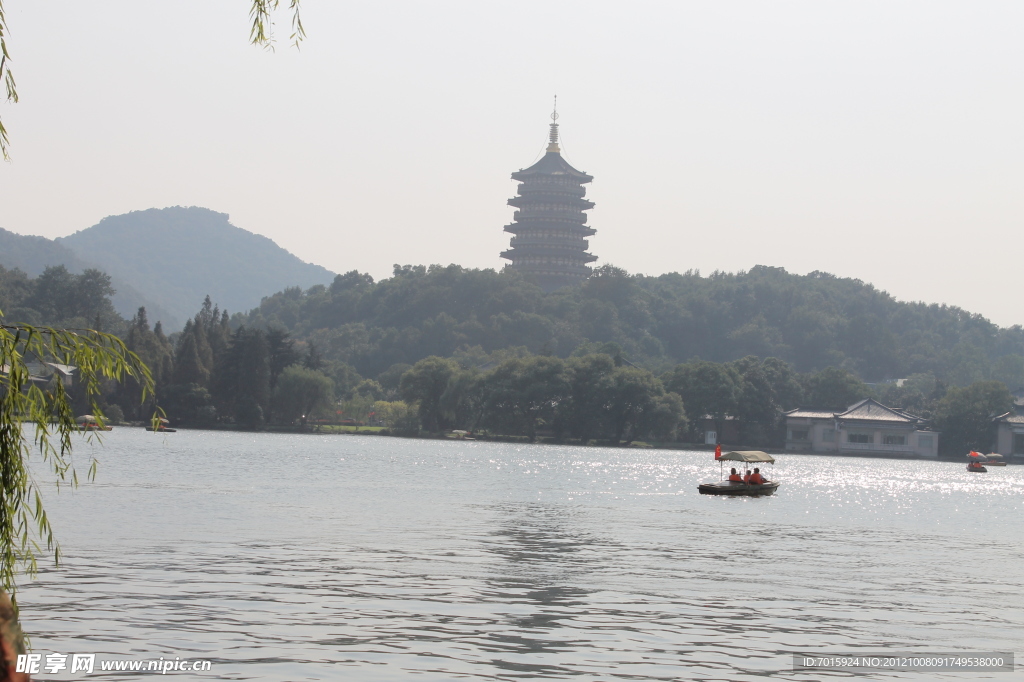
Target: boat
{"x":974,"y":463}
{"x":737,"y":489}
{"x":88,"y":422}
{"x":995,"y":460}
{"x":162,"y":427}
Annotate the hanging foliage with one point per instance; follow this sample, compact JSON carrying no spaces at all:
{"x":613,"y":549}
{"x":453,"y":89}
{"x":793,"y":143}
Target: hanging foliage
{"x":36,"y":416}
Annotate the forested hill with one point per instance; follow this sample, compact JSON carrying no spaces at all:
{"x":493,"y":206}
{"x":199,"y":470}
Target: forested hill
{"x":176,"y":256}
{"x":32,"y":255}
{"x":810,"y":321}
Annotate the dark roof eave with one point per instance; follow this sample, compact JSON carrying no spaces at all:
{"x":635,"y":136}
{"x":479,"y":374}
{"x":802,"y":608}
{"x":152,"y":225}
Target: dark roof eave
{"x":552,"y":163}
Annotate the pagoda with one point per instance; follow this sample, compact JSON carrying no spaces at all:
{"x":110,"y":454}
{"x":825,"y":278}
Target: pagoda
{"x":550,"y":242}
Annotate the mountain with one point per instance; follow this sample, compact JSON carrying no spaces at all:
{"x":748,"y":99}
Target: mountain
{"x":176,"y":256}
{"x":32,"y":255}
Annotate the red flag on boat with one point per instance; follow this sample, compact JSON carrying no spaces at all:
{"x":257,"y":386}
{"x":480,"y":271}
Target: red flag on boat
{"x":718,"y":451}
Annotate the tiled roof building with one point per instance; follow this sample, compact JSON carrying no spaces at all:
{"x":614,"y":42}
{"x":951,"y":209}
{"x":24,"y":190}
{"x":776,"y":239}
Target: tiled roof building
{"x":865,"y":428}
{"x":1009,"y":436}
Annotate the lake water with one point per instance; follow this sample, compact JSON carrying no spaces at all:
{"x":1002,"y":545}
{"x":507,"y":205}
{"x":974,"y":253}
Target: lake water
{"x":292,"y":557}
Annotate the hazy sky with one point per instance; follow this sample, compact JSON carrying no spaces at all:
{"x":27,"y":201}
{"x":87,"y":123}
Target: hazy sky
{"x":877,"y":140}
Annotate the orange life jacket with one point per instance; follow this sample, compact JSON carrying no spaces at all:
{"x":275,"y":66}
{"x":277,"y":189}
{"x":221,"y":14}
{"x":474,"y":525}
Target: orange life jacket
{"x":736,"y":477}
{"x":756,"y":479}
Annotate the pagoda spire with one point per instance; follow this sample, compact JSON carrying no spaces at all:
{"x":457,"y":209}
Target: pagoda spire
{"x":553,"y":135}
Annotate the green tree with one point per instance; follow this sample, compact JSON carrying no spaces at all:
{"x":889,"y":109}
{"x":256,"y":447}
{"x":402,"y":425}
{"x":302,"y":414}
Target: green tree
{"x":282,"y":353}
{"x":918,"y":394}
{"x":585,"y":412}
{"x":785,"y":384}
{"x":202,"y":346}
{"x":633,"y":396}
{"x":834,"y":389}
{"x":664,"y":419}
{"x":302,"y":393}
{"x":462,"y":402}
{"x":425,"y":384}
{"x":15,"y":290}
{"x":313,"y":359}
{"x":964,"y":416}
{"x":766,"y":388}
{"x":368,"y":388}
{"x":706,"y":388}
{"x":242,"y":381}
{"x":967,"y":364}
{"x":1010,"y":370}
{"x":65,"y":298}
{"x":54,"y":293}
{"x":345,"y":377}
{"x":188,"y":404}
{"x":756,"y":403}
{"x":398,"y":417}
{"x":391,"y":378}
{"x":189,"y":367}
{"x":521,"y":394}
{"x":249,"y":413}
{"x":155,"y":351}
{"x":46,"y":413}
{"x":358,"y":408}
{"x":151,"y":346}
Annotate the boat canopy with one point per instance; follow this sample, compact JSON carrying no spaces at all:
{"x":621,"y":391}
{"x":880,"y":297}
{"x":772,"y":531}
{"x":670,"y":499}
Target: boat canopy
{"x":994,"y":456}
{"x":747,"y":456}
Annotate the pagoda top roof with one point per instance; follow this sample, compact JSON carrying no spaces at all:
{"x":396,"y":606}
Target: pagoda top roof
{"x":551,"y":163}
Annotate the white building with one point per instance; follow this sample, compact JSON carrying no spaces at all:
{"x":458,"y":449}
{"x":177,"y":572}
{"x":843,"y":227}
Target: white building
{"x":1010,"y":430}
{"x":45,"y":372}
{"x":866,"y":428}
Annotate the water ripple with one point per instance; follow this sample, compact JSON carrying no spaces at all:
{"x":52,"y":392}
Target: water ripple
{"x":321,"y":558}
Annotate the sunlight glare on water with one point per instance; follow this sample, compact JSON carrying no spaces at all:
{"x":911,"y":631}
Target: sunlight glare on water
{"x":288,"y":557}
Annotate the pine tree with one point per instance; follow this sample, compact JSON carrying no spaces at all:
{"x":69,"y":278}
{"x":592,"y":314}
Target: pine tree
{"x":313,"y":358}
{"x":188,"y":365}
{"x":241,"y":382}
{"x":282,"y":353}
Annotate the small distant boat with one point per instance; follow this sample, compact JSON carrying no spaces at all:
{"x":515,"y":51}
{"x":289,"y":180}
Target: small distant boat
{"x":974,"y":463}
{"x":88,"y":422}
{"x":995,"y":460}
{"x":738,"y":488}
{"x":162,"y":427}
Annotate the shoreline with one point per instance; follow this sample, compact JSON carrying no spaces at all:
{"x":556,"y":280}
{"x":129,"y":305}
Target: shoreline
{"x":346,"y":430}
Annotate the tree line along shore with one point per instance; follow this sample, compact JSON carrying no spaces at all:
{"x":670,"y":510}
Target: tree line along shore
{"x":615,"y":360}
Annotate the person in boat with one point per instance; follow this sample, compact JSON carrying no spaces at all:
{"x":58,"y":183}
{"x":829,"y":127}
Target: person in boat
{"x":734,"y":477}
{"x":756,"y":478}
{"x":746,"y":476}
